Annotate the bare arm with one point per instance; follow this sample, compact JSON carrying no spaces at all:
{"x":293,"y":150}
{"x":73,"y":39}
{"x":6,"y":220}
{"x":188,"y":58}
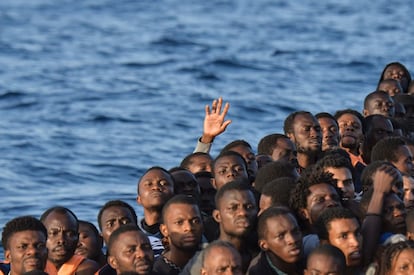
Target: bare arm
{"x":371,"y":227}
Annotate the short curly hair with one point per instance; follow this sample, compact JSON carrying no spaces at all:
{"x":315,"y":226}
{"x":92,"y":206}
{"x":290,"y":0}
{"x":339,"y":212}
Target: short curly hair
{"x":19,"y":224}
{"x":386,"y":149}
{"x":322,"y":224}
{"x":116,"y":203}
{"x":268,"y":143}
{"x":308,"y":178}
{"x":290,"y":119}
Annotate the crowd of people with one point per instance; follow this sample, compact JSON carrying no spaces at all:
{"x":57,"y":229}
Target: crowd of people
{"x":333,"y":194}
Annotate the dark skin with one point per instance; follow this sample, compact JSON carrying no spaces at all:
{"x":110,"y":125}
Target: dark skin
{"x":383,"y":184}
{"x":63,"y":236}
{"x":214,"y":120}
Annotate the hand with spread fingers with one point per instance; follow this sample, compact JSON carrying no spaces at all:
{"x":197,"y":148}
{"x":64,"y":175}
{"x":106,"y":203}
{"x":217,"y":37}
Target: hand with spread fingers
{"x":214,"y":120}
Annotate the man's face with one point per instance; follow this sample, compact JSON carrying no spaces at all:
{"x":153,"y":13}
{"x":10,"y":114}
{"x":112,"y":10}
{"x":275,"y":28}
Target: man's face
{"x":394,"y":215}
{"x":408,"y":186}
{"x":330,"y":133}
{"x":250,"y":158}
{"x":350,"y":131}
{"x":345,"y":234}
{"x":62,"y":238}
{"x":319,"y":264}
{"x":27,"y":251}
{"x":154,"y":189}
{"x":344,"y":181}
{"x":390,"y":87}
{"x":321,"y":197}
{"x":380,"y":104}
{"x":227,"y":169}
{"x":398,"y":73}
{"x":381,"y":127}
{"x":89,"y":243}
{"x":307,"y":134}
{"x":285,"y":150}
{"x":222,"y":260}
{"x":207,"y":194}
{"x":236,"y":213}
{"x":283,"y":238}
{"x":182,"y":226}
{"x":132,"y":252}
{"x":200,"y":163}
{"x":186,"y":183}
{"x":404,"y":161}
{"x":112,"y":218}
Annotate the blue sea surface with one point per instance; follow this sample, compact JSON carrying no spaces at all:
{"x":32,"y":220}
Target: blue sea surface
{"x":92,"y":93}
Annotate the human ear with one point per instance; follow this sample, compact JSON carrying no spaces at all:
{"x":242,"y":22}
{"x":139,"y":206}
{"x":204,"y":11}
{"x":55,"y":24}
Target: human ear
{"x":304,"y":213}
{"x":263,"y":245}
{"x":164,"y":230}
{"x":112,"y":262}
{"x":139,"y":200}
{"x":216,"y":215}
{"x":213,"y":183}
{"x":7,"y":255}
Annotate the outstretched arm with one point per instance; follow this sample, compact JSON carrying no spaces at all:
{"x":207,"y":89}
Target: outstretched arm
{"x":214,"y":122}
{"x":383,"y":180}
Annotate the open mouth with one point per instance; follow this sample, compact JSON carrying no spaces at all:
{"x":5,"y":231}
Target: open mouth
{"x":356,"y":255}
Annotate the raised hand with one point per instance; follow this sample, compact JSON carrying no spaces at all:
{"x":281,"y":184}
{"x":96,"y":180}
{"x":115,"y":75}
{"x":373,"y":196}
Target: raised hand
{"x":214,"y":120}
{"x":385,"y":178}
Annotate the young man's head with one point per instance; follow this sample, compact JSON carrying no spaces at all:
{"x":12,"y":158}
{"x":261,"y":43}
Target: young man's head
{"x":90,"y":241}
{"x":379,"y":103}
{"x":246,"y":151}
{"x":377,"y":127}
{"x":280,"y":236}
{"x":330,"y":131}
{"x":182,"y":224}
{"x":274,"y":170}
{"x":197,"y":162}
{"x":325,"y":259}
{"x":390,"y":86}
{"x":340,"y":227}
{"x":130,"y":251}
{"x":155,"y":187}
{"x":276,"y":193}
{"x":227,"y":167}
{"x":314,"y":192}
{"x":394,"y":214}
{"x":185,"y":183}
{"x":221,"y":257}
{"x":396,"y":151}
{"x":62,"y":227}
{"x":24,"y":244}
{"x":304,"y":131}
{"x":342,"y":171}
{"x":408,"y":187}
{"x":351,"y":125}
{"x":112,"y":215}
{"x":235,"y":211}
{"x":207,"y":191}
{"x":279,"y":147}
{"x":397,"y":71}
